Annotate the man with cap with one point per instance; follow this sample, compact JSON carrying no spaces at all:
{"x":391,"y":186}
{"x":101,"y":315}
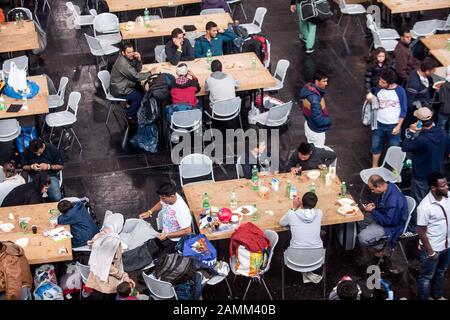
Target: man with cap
{"x":185,"y":86}
{"x":429,"y":145}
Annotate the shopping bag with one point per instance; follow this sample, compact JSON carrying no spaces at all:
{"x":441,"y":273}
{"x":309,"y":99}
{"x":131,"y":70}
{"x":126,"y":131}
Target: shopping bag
{"x":17,"y":78}
{"x":201,"y":249}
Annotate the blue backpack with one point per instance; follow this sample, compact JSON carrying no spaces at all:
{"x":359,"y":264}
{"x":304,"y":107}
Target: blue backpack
{"x":200,"y":249}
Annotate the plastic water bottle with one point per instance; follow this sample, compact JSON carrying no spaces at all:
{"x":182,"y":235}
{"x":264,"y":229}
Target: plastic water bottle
{"x":343,"y":189}
{"x":253,"y":66}
{"x":233,"y":200}
{"x":254,"y":178}
{"x":17,"y":20}
{"x":146,"y":18}
{"x":205,"y":199}
{"x":293,"y":192}
{"x":209,"y":58}
{"x":21,"y":19}
{"x":312,"y":188}
{"x":255,"y":213}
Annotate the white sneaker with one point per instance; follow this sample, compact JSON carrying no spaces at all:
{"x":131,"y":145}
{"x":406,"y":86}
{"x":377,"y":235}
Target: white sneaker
{"x":175,"y":138}
{"x":309,"y":51}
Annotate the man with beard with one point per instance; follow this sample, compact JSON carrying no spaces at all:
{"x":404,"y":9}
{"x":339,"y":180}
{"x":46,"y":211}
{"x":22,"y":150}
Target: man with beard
{"x":433,"y":215}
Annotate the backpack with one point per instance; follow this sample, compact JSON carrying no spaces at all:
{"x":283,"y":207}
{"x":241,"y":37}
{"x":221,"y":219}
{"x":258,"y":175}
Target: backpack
{"x":175,"y":268}
{"x":26,"y":135}
{"x":199,"y":248}
{"x":149,"y":108}
{"x":159,"y":85}
{"x":315,"y":11}
{"x":257,"y":44}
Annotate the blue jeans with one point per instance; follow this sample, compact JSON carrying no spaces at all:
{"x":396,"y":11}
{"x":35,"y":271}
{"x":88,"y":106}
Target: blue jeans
{"x":432,"y":272}
{"x":442,"y":121}
{"x":54,"y":191}
{"x":381,"y":134}
{"x":135,"y":99}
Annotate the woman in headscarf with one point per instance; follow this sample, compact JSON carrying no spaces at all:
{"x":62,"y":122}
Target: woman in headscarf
{"x":105,"y":262}
{"x":28,"y":193}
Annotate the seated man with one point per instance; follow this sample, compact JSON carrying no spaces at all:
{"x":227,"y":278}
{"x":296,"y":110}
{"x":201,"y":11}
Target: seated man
{"x":212,"y":40}
{"x":12,"y":179}
{"x":126,"y":76}
{"x":28,"y":193}
{"x":40,"y":156}
{"x":15,"y":274}
{"x":309,"y":157}
{"x":185,"y":86}
{"x":83,"y":227}
{"x":304,"y":221}
{"x":220,"y":85}
{"x":257,"y":156}
{"x":386,"y":217}
{"x":176,"y":217}
{"x":178,"y":48}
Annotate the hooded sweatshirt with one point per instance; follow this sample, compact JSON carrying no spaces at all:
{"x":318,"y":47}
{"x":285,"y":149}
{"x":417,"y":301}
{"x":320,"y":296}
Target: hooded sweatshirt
{"x":314,"y":108}
{"x":14,"y":271}
{"x":28,"y":193}
{"x":221,"y":86}
{"x":305,"y":227}
{"x":428,"y":150}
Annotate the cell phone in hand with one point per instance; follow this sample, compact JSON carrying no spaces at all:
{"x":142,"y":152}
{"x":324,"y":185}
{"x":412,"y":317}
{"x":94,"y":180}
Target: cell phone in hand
{"x":363,"y":202}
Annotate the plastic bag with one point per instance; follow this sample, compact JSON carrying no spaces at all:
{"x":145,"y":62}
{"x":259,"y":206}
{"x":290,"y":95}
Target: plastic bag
{"x":17,"y":78}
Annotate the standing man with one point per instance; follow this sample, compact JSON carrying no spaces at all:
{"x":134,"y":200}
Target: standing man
{"x":405,"y":63}
{"x":433,"y":215}
{"x":315,"y":111}
{"x":126,"y":76}
{"x":307,"y":29}
{"x":178,"y":48}
{"x":392,"y":110}
{"x":429,"y":147}
{"x":212,"y":40}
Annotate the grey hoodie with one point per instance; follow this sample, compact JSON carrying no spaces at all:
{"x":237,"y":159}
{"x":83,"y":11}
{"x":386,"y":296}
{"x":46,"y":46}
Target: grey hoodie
{"x":221,"y":86}
{"x":305,"y":227}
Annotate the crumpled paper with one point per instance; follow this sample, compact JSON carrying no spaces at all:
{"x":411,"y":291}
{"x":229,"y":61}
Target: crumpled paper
{"x":6,"y":227}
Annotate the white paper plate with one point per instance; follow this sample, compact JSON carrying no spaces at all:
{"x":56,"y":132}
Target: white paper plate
{"x":344,"y":210}
{"x":345,"y":202}
{"x":314,"y":174}
{"x":249,"y":208}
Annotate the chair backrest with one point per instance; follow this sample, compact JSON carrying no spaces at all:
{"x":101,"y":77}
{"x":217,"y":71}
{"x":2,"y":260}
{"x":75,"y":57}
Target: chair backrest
{"x":106,"y":23}
{"x":304,"y":260}
{"x":342,"y":4}
{"x":376,"y":36}
{"x":394,"y":158}
{"x":259,"y":16}
{"x":160,"y":290}
{"x":160,"y":53}
{"x":105,"y":79}
{"x":273,"y":238}
{"x":370,"y":22}
{"x":73,"y":11}
{"x":11,"y":13}
{"x":62,"y":88}
{"x":211,"y":11}
{"x":268,"y":48}
{"x":411,"y":206}
{"x":195,"y":165}
{"x":239,"y":171}
{"x":72,"y":104}
{"x":84,"y":271}
{"x":94,"y":45}
{"x":186,"y":119}
{"x":278,"y":115}
{"x":281,"y":70}
{"x":375,"y":12}
{"x":226,"y":109}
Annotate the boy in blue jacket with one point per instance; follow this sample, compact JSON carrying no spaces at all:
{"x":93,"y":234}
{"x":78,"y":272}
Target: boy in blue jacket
{"x":75,"y":214}
{"x":212,"y":40}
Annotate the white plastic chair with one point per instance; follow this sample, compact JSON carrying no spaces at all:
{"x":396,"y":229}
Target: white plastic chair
{"x":159,"y":290}
{"x":195,"y":165}
{"x":256,"y":26}
{"x":107,"y":28}
{"x":220,"y":277}
{"x":279,"y":75}
{"x":81,"y":20}
{"x":98,"y":49}
{"x":57,"y":100}
{"x":212,"y":11}
{"x":84,"y":272}
{"x":351,"y":10}
{"x":65,"y":119}
{"x":187,"y":121}
{"x":276,"y":116}
{"x":267,"y":62}
{"x":273,"y":238}
{"x":160,"y":53}
{"x":394,"y":159}
{"x":9,"y":130}
{"x":389,"y":45}
{"x":304,"y":260}
{"x":105,"y":79}
{"x":427,"y":28}
{"x":191,"y":36}
{"x":21,"y":62}
{"x":235,"y":3}
{"x":385,"y":33}
{"x":226,"y":110}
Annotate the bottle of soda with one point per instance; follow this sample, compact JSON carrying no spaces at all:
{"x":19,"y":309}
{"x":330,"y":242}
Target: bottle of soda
{"x":288,"y":189}
{"x":146,"y":18}
{"x":343,"y":189}
{"x":209,"y":58}
{"x":233,"y":200}
{"x":312,"y":188}
{"x":254,"y":178}
{"x":206,"y":205}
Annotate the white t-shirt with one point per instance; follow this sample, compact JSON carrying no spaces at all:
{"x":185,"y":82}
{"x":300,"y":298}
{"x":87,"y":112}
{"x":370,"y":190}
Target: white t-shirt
{"x":430,"y":215}
{"x":176,"y":216}
{"x":389,"y":111}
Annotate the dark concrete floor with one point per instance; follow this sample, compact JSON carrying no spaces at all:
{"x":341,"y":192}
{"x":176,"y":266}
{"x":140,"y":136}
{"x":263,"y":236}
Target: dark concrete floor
{"x":125,"y":180}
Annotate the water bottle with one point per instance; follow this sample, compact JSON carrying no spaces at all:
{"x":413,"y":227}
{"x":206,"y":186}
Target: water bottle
{"x":253,"y":66}
{"x":312,"y":188}
{"x":209,"y":58}
{"x":21,"y":19}
{"x":293,"y":192}
{"x":288,"y":189}
{"x":17,"y":20}
{"x":146,"y":18}
{"x":343,"y":189}
{"x":233,"y":200}
{"x":255,"y":213}
{"x":254,"y":178}
{"x":206,"y":205}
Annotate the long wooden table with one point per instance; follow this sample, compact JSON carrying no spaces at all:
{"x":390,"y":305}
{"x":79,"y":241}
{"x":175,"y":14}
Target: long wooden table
{"x":127,"y":5}
{"x":164,"y":27}
{"x":438,"y":47}
{"x":36,"y":106}
{"x":13,"y":38}
{"x":40,"y":249}
{"x":219,"y":196}
{"x":403,"y":6}
{"x":248,"y":79}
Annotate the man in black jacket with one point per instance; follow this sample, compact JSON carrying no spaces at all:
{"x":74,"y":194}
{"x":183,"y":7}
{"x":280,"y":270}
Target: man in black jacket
{"x":28,"y":193}
{"x":178,"y":48}
{"x":309,"y":157}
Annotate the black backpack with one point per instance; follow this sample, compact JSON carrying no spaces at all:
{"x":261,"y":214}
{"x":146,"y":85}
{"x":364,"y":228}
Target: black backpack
{"x":175,"y":268}
{"x":159,"y":85}
{"x":258,"y":45}
{"x":315,"y":11}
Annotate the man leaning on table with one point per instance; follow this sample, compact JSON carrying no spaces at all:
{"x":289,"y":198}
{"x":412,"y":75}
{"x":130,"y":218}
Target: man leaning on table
{"x":308,"y":157}
{"x":212,"y":40}
{"x":178,"y":48}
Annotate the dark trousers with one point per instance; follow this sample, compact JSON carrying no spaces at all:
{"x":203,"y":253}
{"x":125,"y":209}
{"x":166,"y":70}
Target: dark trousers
{"x":135,"y":99}
{"x":166,"y":246}
{"x":432,"y":273}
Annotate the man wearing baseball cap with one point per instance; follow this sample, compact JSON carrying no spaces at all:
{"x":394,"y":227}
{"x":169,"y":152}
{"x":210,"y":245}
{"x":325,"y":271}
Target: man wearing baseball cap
{"x":429,"y":146}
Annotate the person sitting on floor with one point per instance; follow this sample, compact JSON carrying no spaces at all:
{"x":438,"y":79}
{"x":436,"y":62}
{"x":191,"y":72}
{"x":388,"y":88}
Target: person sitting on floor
{"x":12,"y":179}
{"x":384,"y":218}
{"x":346,"y":289}
{"x":221,"y":86}
{"x":126,"y":292}
{"x":29,"y":193}
{"x":185,"y":86}
{"x":309,"y":157}
{"x":83,"y":227}
{"x":178,"y":48}
{"x":41,"y":156}
{"x":212,"y":40}
{"x":176,"y":219}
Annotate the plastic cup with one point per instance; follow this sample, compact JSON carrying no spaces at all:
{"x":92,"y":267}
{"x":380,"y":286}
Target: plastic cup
{"x":34,"y":229}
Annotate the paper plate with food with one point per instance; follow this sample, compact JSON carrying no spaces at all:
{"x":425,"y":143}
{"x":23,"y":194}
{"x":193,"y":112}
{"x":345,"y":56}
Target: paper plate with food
{"x":314,"y":174}
{"x":345,"y":202}
{"x":348,"y":210}
{"x":245,"y":210}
